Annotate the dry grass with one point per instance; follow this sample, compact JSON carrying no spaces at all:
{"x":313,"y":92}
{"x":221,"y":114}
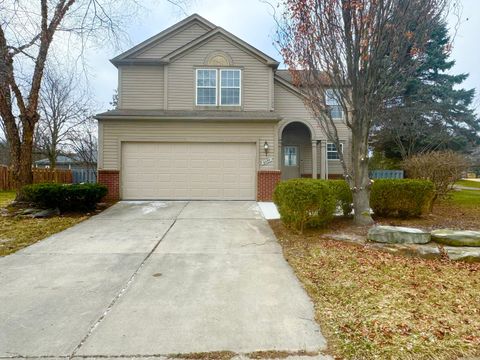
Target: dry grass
{"x":228,"y":355}
{"x":214,"y":355}
{"x":17,"y":233}
{"x":275,"y":354}
{"x":6,"y":197}
{"x":373,"y":305}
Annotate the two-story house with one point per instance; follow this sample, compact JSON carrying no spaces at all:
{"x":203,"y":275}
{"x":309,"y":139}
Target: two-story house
{"x":204,"y":115}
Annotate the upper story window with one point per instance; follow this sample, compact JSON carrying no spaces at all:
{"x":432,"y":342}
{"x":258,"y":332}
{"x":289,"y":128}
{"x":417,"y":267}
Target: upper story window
{"x":218,"y":87}
{"x":206,"y":87}
{"x":332,"y":153}
{"x":230,"y":87}
{"x":332,"y":103}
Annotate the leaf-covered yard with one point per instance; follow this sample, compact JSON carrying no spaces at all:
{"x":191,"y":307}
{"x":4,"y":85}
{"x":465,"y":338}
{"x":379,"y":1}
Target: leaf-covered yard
{"x":19,"y":232}
{"x":372,"y":304}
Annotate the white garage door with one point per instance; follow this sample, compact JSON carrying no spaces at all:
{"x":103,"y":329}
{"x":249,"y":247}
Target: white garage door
{"x":201,"y":171}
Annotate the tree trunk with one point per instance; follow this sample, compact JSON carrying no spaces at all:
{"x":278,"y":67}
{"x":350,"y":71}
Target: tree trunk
{"x":22,"y":163}
{"x":52,"y":157}
{"x":361,"y":202}
{"x":361,"y":181}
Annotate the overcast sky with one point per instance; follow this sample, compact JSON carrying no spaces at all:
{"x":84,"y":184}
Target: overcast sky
{"x":252,"y":21}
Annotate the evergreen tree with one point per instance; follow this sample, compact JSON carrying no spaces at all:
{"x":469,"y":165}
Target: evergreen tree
{"x":433,"y":112}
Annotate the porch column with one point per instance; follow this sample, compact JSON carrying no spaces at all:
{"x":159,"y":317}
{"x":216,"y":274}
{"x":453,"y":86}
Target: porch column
{"x":279,"y":157}
{"x":323,"y":158}
{"x":314,"y":159}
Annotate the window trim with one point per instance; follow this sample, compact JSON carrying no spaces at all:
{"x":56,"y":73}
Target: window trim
{"x":230,"y":87}
{"x":206,"y":87}
{"x":332,"y":151}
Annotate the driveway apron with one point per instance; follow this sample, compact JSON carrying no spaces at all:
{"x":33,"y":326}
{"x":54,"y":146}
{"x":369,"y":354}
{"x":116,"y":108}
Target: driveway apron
{"x":156,"y":278}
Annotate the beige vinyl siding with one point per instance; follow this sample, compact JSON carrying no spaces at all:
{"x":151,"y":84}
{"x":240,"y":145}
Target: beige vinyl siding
{"x":141,"y":87}
{"x":255,"y":75}
{"x":116,"y":131}
{"x":173,"y":42}
{"x":292,"y":108}
{"x":335,"y":166}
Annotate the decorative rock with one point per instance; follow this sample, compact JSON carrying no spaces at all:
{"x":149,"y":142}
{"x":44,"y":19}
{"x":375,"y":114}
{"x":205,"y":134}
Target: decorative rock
{"x":398,"y":235}
{"x":456,"y":237}
{"x":459,"y":253}
{"x":28,"y":211}
{"x":45,"y":213}
{"x":410,"y":250}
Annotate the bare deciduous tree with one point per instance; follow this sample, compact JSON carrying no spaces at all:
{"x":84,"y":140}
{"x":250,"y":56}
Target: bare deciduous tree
{"x":26,"y":34}
{"x":27,"y":31}
{"x":83,"y":142}
{"x":361,"y":49}
{"x":64,"y":106}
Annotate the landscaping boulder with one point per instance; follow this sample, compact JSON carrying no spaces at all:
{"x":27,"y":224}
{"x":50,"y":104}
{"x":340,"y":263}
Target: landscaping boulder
{"x":398,"y":235}
{"x":463,"y":253}
{"x":45,"y":213}
{"x":456,"y":237}
{"x":29,"y":211}
{"x":430,"y":251}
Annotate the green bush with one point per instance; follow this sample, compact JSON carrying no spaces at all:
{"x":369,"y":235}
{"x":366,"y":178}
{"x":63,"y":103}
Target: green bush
{"x":66,"y":197}
{"x":343,"y":195}
{"x":304,"y":202}
{"x":401,"y":197}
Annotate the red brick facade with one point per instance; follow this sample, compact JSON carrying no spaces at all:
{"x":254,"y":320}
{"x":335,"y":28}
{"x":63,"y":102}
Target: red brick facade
{"x":266,"y":182}
{"x":111,"y":179}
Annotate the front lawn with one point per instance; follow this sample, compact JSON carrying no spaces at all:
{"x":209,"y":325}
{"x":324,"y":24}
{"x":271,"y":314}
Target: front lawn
{"x":372,"y":304}
{"x":6,"y":197}
{"x":468,"y":183}
{"x":19,"y":232}
{"x":465,"y":198}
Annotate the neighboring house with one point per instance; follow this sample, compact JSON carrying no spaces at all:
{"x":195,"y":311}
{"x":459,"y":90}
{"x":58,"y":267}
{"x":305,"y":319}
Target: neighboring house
{"x":204,"y":115}
{"x":64,"y":162}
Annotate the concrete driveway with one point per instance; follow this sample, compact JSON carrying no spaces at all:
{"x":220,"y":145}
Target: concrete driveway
{"x":152,"y":279}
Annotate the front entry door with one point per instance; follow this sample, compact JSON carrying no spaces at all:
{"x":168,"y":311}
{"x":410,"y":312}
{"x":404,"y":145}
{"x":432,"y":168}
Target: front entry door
{"x":291,"y":162}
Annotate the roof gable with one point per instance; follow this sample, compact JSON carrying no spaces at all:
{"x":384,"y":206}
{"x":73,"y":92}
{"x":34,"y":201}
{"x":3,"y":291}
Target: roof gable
{"x":288,"y":85}
{"x":166,"y":45}
{"x":234,"y":40}
{"x":144,"y":46}
{"x":151,"y":52}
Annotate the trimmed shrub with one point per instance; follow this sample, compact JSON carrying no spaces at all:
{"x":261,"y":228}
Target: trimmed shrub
{"x":304,"y":202}
{"x":66,"y":197}
{"x":402,"y":198}
{"x":343,"y":195}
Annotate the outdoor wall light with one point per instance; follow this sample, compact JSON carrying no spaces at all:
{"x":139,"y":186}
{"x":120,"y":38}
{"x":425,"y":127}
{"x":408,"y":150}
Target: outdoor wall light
{"x":265,"y":147}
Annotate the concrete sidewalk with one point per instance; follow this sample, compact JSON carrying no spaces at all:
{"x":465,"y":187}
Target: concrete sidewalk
{"x":152,"y":279}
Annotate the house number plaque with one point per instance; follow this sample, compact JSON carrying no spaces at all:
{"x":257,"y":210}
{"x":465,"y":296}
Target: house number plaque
{"x":266,"y":162}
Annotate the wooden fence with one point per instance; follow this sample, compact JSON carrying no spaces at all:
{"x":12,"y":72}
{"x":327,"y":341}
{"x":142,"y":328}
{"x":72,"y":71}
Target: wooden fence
{"x":39,"y":176}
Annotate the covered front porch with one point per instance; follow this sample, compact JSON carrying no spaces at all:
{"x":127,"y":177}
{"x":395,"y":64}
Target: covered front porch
{"x":303,"y":154}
